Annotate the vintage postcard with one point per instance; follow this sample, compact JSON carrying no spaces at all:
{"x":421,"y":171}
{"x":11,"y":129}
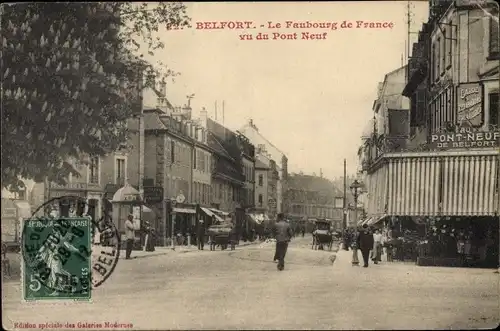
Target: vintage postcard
{"x":250,"y":165}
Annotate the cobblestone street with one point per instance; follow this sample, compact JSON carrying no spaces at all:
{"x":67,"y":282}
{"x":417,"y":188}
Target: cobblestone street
{"x":243,"y":289}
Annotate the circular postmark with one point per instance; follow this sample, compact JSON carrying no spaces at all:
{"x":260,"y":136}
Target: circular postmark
{"x":60,"y":258}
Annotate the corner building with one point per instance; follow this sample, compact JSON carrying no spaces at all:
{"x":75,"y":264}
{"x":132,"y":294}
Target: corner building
{"x":446,"y":176}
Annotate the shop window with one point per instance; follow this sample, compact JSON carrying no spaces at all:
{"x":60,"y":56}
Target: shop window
{"x":494,"y":109}
{"x":493,"y":36}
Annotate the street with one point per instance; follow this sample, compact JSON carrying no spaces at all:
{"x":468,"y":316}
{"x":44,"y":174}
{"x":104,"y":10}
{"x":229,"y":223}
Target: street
{"x":242,"y":289}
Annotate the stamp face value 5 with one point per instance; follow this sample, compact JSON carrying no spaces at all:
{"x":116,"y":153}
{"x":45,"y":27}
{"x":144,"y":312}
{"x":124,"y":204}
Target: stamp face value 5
{"x":57,"y":258}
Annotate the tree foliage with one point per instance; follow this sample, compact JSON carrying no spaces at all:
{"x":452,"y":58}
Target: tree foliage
{"x":71,"y":75}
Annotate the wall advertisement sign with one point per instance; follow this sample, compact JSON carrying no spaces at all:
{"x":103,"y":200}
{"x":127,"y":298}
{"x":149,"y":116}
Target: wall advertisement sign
{"x":470,"y":104}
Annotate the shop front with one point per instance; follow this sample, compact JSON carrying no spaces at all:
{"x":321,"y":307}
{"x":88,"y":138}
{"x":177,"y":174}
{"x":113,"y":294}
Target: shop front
{"x":434,"y":193}
{"x":91,"y":193}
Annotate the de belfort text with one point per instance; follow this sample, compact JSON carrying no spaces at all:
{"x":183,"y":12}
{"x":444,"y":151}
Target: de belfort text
{"x":79,"y":325}
{"x":283,"y":30}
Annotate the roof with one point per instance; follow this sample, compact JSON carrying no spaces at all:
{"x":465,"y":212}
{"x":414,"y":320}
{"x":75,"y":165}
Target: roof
{"x":152,"y":121}
{"x":265,"y":139}
{"x":215,"y":144}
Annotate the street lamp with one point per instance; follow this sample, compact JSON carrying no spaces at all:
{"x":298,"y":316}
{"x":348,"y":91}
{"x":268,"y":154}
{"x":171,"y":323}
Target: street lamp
{"x":355,"y":187}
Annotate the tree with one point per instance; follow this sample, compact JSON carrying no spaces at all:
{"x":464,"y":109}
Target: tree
{"x":71,"y":75}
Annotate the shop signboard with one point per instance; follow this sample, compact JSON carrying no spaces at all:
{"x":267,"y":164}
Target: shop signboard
{"x":153,"y":194}
{"x":470,"y":104}
{"x":465,"y":138}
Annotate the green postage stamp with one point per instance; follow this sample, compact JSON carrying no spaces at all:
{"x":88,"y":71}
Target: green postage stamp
{"x":57,"y":258}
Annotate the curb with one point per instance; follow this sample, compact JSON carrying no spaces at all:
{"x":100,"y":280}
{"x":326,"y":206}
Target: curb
{"x":170,"y":251}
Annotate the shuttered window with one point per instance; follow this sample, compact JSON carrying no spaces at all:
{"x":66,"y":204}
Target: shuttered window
{"x":494,"y":47}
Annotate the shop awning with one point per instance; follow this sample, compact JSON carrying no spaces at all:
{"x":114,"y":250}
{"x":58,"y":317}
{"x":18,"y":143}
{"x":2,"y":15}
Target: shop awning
{"x":219,"y":212}
{"x":210,"y":213}
{"x":207,"y":211}
{"x":376,"y":220}
{"x":361,"y":222}
{"x":184,"y":210}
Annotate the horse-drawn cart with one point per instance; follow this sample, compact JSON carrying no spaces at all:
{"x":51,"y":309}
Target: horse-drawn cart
{"x":221,"y":235}
{"x":322,"y":236}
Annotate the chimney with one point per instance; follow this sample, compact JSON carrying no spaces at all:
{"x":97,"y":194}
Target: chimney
{"x":203,"y":117}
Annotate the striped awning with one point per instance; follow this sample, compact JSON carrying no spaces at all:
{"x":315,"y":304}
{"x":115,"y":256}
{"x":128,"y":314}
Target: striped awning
{"x":441,"y":184}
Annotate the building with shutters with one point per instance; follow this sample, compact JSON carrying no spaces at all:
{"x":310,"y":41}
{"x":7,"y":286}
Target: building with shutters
{"x":446,"y":177}
{"x":177,"y":159}
{"x":251,"y":131}
{"x":233,"y":178}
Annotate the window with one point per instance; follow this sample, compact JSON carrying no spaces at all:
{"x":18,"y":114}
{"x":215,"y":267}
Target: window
{"x":433,"y":66}
{"x":194,"y":159}
{"x":445,"y":47}
{"x":261,"y":180}
{"x":450,"y":49}
{"x":94,"y":170}
{"x":201,"y":161}
{"x":260,"y":200}
{"x":493,"y":45}
{"x":120,"y":171}
{"x":172,"y":151}
{"x":494,"y":108}
{"x":438,"y":58}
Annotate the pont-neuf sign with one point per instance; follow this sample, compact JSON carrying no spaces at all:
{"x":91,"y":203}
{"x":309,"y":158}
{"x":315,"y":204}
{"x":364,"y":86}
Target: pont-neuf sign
{"x":465,"y":138}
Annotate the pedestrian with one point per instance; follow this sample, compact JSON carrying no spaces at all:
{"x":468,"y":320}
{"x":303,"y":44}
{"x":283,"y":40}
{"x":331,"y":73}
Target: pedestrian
{"x":365,"y":243}
{"x":303,"y":231}
{"x":200,"y":235}
{"x":283,"y":234}
{"x":129,"y":235}
{"x":377,"y":247}
{"x":354,"y":247}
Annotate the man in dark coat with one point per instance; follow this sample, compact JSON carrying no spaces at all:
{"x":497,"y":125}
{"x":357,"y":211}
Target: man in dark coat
{"x":283,"y":234}
{"x":365,"y":243}
{"x":200,"y":234}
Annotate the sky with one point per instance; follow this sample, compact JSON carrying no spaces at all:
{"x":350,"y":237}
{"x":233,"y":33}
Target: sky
{"x":310,"y":98}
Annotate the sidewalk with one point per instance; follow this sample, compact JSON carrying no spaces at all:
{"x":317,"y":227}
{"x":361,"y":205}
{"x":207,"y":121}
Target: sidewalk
{"x":161,"y":250}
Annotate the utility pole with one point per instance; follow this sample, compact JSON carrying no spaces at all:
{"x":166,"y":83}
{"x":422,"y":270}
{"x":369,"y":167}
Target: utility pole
{"x":344,"y":207}
{"x":408,"y":28}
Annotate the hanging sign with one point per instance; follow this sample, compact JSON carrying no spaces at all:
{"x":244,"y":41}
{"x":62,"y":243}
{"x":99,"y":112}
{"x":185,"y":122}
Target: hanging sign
{"x":470,"y":104}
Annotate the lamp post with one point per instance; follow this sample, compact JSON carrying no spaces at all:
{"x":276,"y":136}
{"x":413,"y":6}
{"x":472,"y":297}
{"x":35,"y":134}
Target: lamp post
{"x":356,"y":187}
{"x":356,"y":190}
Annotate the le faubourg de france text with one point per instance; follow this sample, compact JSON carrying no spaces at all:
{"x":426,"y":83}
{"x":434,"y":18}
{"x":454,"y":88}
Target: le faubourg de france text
{"x":312,"y":30}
